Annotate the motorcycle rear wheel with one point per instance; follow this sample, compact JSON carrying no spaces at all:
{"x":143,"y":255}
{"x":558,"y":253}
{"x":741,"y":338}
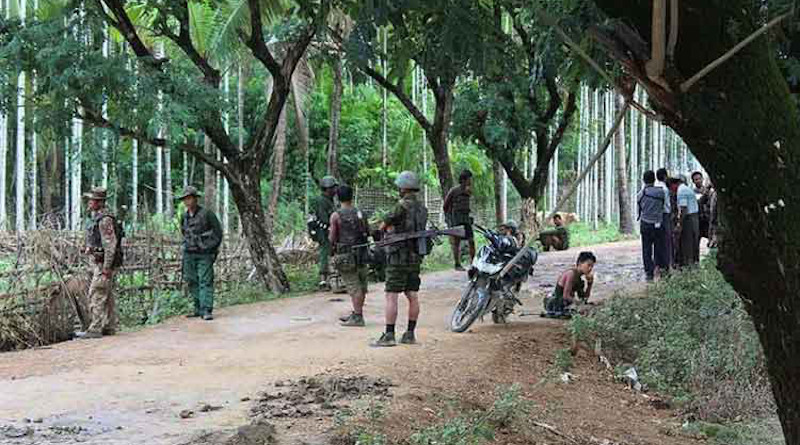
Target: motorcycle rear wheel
{"x":469,"y":308}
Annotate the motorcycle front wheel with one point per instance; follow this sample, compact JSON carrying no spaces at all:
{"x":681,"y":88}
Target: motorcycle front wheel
{"x":469,"y":308}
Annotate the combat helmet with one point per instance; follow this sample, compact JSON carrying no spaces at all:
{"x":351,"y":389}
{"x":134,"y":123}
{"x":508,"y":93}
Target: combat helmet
{"x":327,"y":182}
{"x":407,"y":180}
{"x":511,"y":224}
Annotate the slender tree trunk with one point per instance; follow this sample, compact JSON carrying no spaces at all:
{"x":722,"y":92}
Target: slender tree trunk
{"x":336,"y":110}
{"x":278,"y":171}
{"x":498,"y":175}
{"x":625,"y":221}
{"x":209,"y":177}
{"x":168,"y":207}
{"x":20,"y":169}
{"x":135,"y":182}
{"x":77,"y":172}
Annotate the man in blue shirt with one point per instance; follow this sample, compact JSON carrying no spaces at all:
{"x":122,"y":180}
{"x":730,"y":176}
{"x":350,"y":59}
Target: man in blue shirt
{"x":651,"y":209}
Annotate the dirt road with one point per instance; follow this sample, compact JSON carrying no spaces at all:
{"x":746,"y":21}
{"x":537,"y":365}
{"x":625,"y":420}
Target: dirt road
{"x":131,"y":388}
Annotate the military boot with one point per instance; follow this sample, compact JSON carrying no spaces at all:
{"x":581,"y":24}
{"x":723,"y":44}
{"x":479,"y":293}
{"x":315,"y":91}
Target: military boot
{"x":385,"y":340}
{"x":354,"y":320}
{"x":409,"y":338}
{"x":344,"y":318}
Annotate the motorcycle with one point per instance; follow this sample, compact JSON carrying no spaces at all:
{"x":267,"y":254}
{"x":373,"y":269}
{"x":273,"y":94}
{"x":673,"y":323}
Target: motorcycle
{"x":495,"y":277}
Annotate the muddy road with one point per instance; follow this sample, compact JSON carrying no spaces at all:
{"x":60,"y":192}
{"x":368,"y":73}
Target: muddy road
{"x":136,"y":388}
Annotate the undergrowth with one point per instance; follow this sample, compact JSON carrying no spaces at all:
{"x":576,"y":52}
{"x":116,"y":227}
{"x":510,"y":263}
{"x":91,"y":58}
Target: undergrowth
{"x":509,"y":410}
{"x":689,"y":337}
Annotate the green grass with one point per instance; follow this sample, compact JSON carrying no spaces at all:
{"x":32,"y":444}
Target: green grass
{"x":581,"y":234}
{"x":754,"y":432}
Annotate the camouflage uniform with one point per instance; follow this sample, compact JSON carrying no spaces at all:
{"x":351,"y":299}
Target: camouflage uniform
{"x":348,"y":229}
{"x":404,"y":261}
{"x":103,"y":243}
{"x":202,"y":236}
{"x":323,"y":208}
{"x":556,"y":238}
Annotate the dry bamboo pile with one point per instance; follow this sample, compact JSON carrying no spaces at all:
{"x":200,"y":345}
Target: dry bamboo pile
{"x":44,"y":279}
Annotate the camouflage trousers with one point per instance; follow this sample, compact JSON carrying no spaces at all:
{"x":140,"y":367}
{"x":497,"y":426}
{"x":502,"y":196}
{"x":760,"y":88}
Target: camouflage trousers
{"x":102,"y":305}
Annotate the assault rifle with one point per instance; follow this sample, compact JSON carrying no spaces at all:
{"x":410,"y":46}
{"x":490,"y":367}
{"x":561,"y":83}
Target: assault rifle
{"x":433,"y":233}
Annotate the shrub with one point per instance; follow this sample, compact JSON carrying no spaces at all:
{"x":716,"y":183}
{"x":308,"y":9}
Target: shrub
{"x":689,"y":337}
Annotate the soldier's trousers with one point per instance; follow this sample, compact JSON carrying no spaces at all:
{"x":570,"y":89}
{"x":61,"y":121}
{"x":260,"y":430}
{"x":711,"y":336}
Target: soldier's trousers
{"x":102,"y":305}
{"x":324,"y":258}
{"x":198,"y":272}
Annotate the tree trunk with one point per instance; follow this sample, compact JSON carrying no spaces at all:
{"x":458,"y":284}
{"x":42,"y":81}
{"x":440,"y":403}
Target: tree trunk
{"x":755,"y":168}
{"x":498,"y":175}
{"x":336,"y":111}
{"x":530,"y":224}
{"x":439,"y":136}
{"x":168,"y":181}
{"x":625,"y":221}
{"x":3,"y":168}
{"x":246,"y":194}
{"x":209,"y":177}
{"x":278,"y":171}
{"x":20,"y":168}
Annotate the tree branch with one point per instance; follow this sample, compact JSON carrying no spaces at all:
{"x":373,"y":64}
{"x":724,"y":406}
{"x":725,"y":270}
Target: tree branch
{"x":184,"y":41}
{"x":125,"y":26}
{"x":655,"y":66}
{"x":400,"y":95}
{"x":97,"y":120}
{"x":256,"y":41}
{"x":685,"y":86}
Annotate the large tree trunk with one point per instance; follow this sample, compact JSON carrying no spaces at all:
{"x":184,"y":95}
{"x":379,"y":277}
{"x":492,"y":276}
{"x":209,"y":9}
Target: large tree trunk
{"x":529,"y":219}
{"x":278,"y":171}
{"x":623,"y":194}
{"x":246,"y":194}
{"x":755,"y":168}
{"x":439,"y":136}
{"x":336,"y":111}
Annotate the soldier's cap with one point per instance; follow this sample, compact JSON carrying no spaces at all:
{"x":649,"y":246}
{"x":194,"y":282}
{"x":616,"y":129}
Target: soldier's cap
{"x":97,"y":194}
{"x":187,"y":192}
{"x":510,"y":224}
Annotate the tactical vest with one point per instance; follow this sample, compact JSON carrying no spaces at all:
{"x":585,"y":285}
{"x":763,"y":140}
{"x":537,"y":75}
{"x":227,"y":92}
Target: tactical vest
{"x":416,"y":219}
{"x":351,"y":228}
{"x":94,"y":239}
{"x":195,"y":230}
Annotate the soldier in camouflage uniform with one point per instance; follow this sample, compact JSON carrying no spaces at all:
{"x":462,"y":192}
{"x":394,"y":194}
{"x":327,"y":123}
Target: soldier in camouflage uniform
{"x":322,"y":208}
{"x":556,"y":238}
{"x":404,"y":259}
{"x":202,"y":236}
{"x":457,"y":211}
{"x":102,"y":242}
{"x":348,"y":238}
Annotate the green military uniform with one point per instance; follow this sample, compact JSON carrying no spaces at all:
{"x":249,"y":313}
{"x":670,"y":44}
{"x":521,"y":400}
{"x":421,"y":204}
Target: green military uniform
{"x":556,"y":238}
{"x":323,"y":207}
{"x":103,"y":244}
{"x":202,"y":236}
{"x":404,"y":261}
{"x":351,"y":261}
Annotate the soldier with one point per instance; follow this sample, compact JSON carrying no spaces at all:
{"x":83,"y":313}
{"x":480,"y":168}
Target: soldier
{"x":322,"y":208}
{"x":103,"y":236}
{"x":574,"y":283}
{"x":457,"y":211}
{"x":556,"y":238}
{"x":202,"y":236}
{"x":404,"y":259}
{"x":511,"y":228}
{"x":703,"y":194}
{"x":348,"y":238}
